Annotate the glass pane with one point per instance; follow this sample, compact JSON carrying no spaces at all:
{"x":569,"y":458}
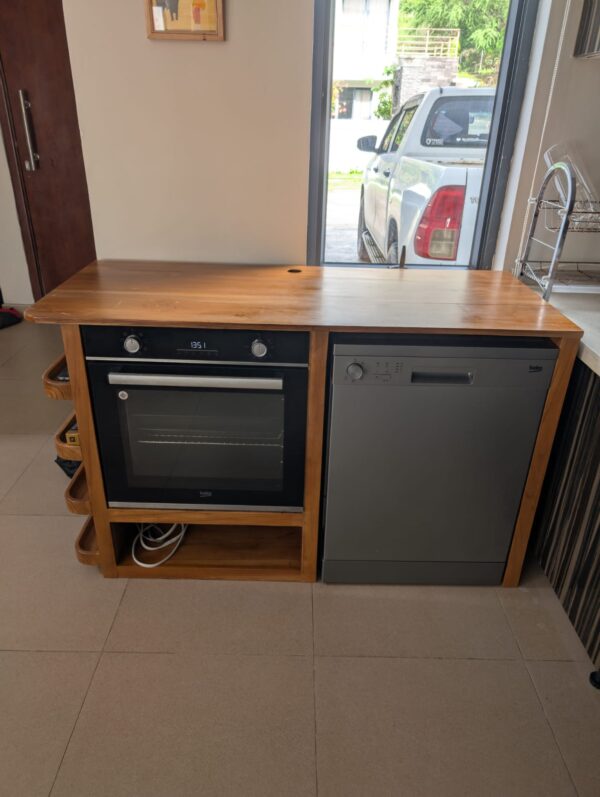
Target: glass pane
{"x":212,"y":440}
{"x":437,"y":64}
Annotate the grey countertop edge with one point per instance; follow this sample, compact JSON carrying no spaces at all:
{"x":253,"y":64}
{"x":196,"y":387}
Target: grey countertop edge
{"x":584,"y":310}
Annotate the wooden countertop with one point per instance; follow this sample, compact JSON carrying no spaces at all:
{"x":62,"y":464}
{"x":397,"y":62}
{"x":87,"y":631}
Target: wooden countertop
{"x":152,"y":293}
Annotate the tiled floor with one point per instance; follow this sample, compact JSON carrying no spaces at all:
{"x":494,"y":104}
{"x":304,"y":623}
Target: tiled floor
{"x":188,"y":688}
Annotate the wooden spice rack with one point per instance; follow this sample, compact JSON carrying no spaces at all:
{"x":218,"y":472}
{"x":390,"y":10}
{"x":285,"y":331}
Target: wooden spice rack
{"x":64,"y":449}
{"x":55,"y":388}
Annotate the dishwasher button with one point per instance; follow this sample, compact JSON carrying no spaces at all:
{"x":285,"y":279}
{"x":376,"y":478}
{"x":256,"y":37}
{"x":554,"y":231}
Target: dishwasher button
{"x":355,"y":371}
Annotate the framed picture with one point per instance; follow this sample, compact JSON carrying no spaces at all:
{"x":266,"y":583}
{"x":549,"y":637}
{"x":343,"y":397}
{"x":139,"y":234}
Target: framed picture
{"x":185,"y":19}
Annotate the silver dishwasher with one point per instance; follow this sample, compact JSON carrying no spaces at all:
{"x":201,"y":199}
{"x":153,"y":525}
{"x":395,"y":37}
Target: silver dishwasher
{"x":428,"y":450}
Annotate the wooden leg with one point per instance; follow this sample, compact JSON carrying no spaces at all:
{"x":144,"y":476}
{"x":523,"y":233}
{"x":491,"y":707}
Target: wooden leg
{"x":539,"y":461}
{"x":87,"y":437}
{"x":317,"y":374}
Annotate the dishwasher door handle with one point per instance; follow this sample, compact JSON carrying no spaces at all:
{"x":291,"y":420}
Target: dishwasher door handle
{"x":441,"y":378}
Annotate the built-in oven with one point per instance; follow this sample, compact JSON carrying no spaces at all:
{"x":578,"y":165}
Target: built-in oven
{"x":190,"y":418}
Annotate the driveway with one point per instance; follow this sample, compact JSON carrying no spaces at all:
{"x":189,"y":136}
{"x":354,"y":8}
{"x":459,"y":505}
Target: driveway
{"x":342,"y":219}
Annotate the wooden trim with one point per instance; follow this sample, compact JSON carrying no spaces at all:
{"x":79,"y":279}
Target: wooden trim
{"x":211,"y":573}
{"x":64,"y":449}
{"x":206,"y":517}
{"x":317,"y":374}
{"x":52,"y":387}
{"x":568,"y":347}
{"x":172,"y":35}
{"x":76,"y":494}
{"x":87,"y":436}
{"x":86,"y":546}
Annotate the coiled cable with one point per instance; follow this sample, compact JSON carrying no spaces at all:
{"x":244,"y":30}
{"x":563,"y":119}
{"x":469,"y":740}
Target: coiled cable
{"x":152,"y":537}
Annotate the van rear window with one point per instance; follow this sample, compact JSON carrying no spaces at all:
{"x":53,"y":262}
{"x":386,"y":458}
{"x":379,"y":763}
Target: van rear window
{"x":459,"y":122}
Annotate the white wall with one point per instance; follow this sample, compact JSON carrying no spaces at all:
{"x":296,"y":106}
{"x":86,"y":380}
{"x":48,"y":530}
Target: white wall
{"x":14,"y":277}
{"x":365,"y":43}
{"x":195,"y":150}
{"x":344,"y":155}
{"x":571,"y":117}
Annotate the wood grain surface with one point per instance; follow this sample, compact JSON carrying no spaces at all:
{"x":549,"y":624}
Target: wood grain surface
{"x":126,"y":292}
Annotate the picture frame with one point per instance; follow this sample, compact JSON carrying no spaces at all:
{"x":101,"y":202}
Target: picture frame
{"x":197,"y":20}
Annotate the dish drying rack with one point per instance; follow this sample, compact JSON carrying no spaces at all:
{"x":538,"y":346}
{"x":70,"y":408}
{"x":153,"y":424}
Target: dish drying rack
{"x":560,"y":216}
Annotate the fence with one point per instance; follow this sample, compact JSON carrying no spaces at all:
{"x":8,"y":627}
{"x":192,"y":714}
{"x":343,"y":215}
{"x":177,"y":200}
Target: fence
{"x":430,"y":42}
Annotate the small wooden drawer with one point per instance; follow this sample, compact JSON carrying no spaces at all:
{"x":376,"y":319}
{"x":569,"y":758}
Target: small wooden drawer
{"x":86,"y":546}
{"x":53,"y":387}
{"x":76,"y":494}
{"x":64,"y":448}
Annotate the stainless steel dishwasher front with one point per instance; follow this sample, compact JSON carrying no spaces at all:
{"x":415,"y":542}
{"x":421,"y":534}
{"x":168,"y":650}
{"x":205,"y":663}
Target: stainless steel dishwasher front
{"x":428,"y":452}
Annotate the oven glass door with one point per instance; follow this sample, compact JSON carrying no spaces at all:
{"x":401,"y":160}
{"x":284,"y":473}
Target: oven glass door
{"x":189,"y":435}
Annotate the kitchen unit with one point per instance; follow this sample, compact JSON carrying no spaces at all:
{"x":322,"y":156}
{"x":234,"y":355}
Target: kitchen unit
{"x":130,"y":302}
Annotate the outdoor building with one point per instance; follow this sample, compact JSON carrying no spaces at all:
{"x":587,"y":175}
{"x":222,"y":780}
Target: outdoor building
{"x":365,"y":44}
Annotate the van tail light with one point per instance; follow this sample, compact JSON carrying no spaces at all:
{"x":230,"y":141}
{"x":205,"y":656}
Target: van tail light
{"x":439,"y":230}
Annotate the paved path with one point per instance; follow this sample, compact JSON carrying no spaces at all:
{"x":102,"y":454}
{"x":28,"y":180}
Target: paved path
{"x":342,"y":219}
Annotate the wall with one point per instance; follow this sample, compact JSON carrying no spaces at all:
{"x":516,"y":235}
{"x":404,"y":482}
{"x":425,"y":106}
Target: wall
{"x":344,"y":155}
{"x":14,"y":277}
{"x":365,"y":37}
{"x":571,"y":117}
{"x":195,"y":150}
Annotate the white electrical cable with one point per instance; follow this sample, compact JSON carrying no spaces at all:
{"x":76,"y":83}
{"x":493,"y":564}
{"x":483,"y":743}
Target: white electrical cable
{"x":152,"y":537}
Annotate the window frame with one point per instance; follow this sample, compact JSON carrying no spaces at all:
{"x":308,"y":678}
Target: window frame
{"x":512,"y":78}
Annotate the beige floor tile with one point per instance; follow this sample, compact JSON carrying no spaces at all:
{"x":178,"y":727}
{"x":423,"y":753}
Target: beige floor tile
{"x":40,"y":489}
{"x":16,"y":454}
{"x":214,"y":617}
{"x":16,"y":338}
{"x":427,"y":727}
{"x":541,"y":625}
{"x":31,"y":361}
{"x":40,"y":697}
{"x":48,"y":601}
{"x":159,"y":725}
{"x":572,"y":706}
{"x":453,"y":622}
{"x":25,"y":408}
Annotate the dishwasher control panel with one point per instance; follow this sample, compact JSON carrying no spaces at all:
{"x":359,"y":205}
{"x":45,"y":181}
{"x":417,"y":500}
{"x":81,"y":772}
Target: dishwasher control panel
{"x":372,"y":370}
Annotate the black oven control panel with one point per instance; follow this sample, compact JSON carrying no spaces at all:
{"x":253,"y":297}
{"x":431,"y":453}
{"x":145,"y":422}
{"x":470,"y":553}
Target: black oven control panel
{"x":195,"y":345}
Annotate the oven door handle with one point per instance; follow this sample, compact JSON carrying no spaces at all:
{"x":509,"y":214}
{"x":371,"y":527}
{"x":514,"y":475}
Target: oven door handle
{"x":216,"y":382}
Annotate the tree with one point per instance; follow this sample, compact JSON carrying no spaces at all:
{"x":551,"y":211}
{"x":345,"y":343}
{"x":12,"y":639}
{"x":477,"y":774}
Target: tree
{"x":481,"y":22}
{"x":385,"y":88}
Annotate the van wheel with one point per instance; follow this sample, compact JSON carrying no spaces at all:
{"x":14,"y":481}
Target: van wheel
{"x":393,"y":257}
{"x":361,"y":249}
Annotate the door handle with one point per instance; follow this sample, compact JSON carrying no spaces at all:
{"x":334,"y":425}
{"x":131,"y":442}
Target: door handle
{"x":32,"y":163}
{"x":172,"y":380}
{"x":386,"y":172}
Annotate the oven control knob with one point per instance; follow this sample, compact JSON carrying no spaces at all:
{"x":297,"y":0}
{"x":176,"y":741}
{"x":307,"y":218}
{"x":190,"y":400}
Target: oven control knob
{"x":131,"y":344}
{"x":259,"y":348}
{"x":355,"y":371}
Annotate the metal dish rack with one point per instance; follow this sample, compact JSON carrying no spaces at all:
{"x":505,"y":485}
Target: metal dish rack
{"x":560,"y":216}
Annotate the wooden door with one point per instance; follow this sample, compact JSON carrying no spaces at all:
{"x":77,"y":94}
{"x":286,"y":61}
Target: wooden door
{"x":52,"y":197}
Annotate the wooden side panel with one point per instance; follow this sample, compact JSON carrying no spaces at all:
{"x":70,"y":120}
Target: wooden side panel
{"x":87,"y":436}
{"x":539,"y":461}
{"x":314,"y":452}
